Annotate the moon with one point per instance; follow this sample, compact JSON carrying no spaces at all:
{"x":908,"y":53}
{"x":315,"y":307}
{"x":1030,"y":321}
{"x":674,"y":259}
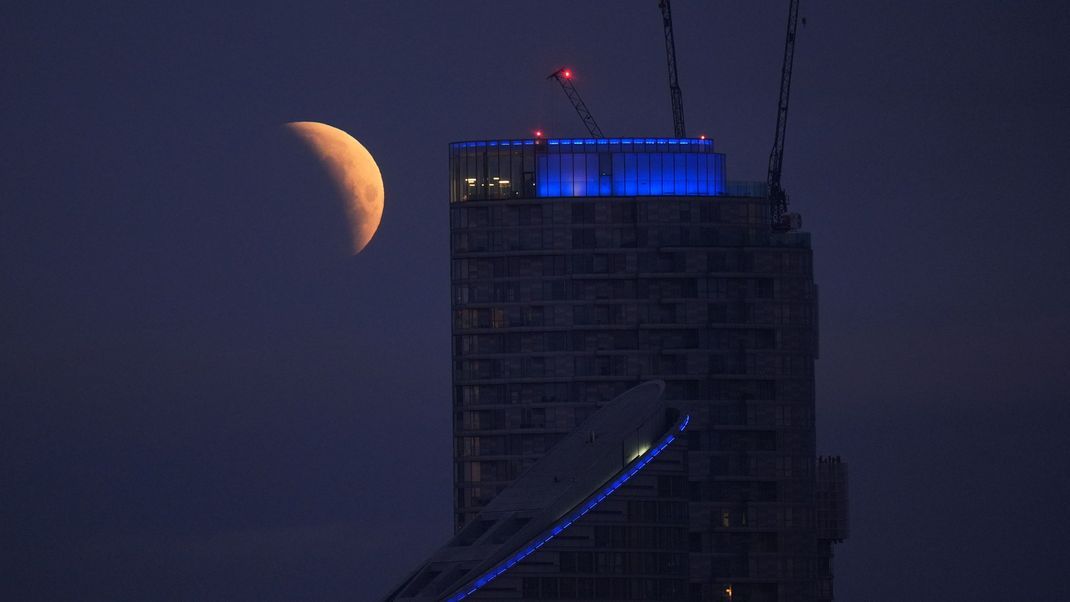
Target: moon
{"x":355,"y":175}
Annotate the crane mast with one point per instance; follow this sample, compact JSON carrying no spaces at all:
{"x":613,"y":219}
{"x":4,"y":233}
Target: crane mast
{"x":782,"y":221}
{"x":564,"y":77}
{"x":675,"y":95}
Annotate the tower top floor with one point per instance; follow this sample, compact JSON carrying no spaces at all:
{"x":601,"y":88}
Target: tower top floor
{"x":590,"y":167}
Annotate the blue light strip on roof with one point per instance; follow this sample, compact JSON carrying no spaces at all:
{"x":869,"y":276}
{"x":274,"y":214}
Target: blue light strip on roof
{"x":565,"y":523}
{"x":697,"y":142}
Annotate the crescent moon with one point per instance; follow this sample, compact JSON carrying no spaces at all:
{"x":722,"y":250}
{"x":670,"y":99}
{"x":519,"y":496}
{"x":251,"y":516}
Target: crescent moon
{"x":355,"y":174}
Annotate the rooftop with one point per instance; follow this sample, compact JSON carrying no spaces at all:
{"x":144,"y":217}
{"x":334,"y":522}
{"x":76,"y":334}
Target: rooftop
{"x":590,"y":167}
{"x":613,"y":144}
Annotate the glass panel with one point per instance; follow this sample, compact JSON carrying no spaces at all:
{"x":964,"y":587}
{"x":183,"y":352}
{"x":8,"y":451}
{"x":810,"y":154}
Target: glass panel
{"x":566,"y":174}
{"x":605,"y":174}
{"x":668,"y":184}
{"x":692,"y":173}
{"x":618,"y":173}
{"x":579,"y":174}
{"x":680,"y":163}
{"x":592,"y":173}
{"x":704,"y":174}
{"x":543,"y":172}
{"x":553,"y":176}
{"x":516,"y":174}
{"x":718,"y":175}
{"x":656,"y":186}
{"x":469,"y":171}
{"x":490,"y":184}
{"x":529,"y":172}
{"x":643,"y":173}
{"x":630,"y":174}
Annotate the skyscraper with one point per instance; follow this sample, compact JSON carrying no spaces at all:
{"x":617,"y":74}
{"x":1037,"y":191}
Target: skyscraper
{"x":580,"y":268}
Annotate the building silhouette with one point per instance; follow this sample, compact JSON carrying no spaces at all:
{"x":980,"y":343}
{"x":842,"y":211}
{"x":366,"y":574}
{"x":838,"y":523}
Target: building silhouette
{"x":582,"y":267}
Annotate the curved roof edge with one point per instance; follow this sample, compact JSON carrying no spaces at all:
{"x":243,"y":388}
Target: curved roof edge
{"x":580,"y":471}
{"x":596,"y":498}
{"x":643,"y":142}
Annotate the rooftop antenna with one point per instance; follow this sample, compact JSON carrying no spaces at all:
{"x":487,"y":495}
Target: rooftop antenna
{"x":675,"y":95}
{"x":564,"y":77}
{"x":782,"y":221}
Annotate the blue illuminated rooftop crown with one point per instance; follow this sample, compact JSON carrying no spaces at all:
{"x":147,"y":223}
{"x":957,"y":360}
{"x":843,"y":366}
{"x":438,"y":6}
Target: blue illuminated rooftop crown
{"x":584,"y":167}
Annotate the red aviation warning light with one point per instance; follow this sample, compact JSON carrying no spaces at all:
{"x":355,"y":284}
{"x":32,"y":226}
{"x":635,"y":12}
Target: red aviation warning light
{"x":567,"y":73}
{"x":538,"y":133}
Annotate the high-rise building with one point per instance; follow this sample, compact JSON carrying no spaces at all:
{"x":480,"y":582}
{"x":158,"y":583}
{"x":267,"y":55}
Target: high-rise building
{"x":580,"y":268}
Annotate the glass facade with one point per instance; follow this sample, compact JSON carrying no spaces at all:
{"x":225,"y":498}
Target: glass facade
{"x":634,"y":547}
{"x":560,"y":304}
{"x":584,"y":167}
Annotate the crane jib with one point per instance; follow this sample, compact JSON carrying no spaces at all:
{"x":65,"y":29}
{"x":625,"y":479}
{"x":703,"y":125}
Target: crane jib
{"x":778,"y":199}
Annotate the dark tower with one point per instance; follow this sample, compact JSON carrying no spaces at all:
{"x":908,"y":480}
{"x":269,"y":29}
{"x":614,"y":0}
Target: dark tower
{"x":582,"y":267}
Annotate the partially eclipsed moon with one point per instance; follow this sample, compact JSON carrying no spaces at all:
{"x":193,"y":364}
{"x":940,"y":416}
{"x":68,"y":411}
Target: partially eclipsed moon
{"x":355,"y":175}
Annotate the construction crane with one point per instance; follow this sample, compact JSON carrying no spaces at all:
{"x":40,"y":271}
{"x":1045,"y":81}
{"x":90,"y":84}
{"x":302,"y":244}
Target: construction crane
{"x":564,"y":77}
{"x":675,"y":95}
{"x":782,"y":221}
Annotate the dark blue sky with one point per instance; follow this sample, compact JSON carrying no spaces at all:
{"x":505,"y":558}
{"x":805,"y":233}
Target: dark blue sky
{"x":203,"y":399}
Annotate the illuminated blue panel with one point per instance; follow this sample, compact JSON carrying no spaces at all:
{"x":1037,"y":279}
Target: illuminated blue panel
{"x":656,"y":187}
{"x":643,"y":171}
{"x":585,"y":167}
{"x":668,"y":182}
{"x":691,"y":173}
{"x":579,"y":174}
{"x":567,"y":177}
{"x":679,"y":173}
{"x":618,"y":173}
{"x":542,"y":187}
{"x":717,"y":176}
{"x":605,"y":186}
{"x":631,"y":175}
{"x":703,"y":177}
{"x":566,"y":522}
{"x":592,"y":175}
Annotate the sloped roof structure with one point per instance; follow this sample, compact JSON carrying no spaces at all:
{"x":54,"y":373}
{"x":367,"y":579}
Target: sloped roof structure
{"x":578,"y":473}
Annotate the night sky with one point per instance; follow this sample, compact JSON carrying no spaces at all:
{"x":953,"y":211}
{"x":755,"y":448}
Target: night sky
{"x":205,"y":398}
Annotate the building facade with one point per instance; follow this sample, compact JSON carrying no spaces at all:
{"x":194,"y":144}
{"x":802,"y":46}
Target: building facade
{"x":580,"y":268}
